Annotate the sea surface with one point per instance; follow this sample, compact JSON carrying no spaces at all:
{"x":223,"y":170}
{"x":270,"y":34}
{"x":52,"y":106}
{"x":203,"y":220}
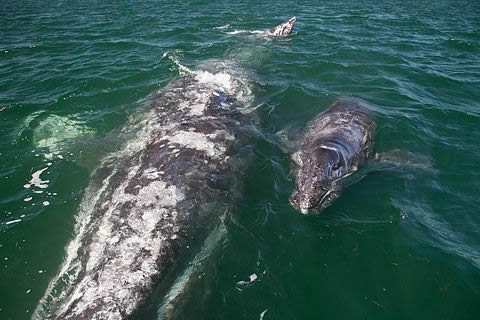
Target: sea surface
{"x":399,"y":244}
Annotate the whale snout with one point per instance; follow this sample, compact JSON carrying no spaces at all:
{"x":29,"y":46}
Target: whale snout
{"x":313,"y":200}
{"x":304,"y":202}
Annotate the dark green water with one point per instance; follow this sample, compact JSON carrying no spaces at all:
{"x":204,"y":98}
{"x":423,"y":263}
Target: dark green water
{"x":400,"y":244}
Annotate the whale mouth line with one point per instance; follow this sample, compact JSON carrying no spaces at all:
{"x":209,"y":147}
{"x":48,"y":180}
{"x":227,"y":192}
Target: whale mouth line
{"x":314,"y":207}
{"x":323,"y":198}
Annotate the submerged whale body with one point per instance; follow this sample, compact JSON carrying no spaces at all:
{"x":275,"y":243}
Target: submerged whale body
{"x":336,"y":143}
{"x":149,"y":201}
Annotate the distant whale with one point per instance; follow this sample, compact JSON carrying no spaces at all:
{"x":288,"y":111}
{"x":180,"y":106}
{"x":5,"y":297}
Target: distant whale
{"x":151,"y":201}
{"x":283,"y":29}
{"x":336,"y":143}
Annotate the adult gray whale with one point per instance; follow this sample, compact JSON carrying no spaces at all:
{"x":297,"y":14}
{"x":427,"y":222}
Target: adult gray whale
{"x":336,"y":143}
{"x":151,"y":201}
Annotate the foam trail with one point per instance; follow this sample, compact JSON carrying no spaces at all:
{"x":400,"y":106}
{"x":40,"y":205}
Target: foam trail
{"x":252,"y":32}
{"x":222,"y":27}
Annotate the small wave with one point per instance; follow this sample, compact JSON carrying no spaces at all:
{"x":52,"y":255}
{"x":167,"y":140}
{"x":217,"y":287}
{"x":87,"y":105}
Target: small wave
{"x":222,"y":27}
{"x":441,"y":234}
{"x":182,"y":70}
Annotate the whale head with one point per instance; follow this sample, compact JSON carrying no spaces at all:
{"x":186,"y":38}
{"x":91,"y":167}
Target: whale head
{"x":317,"y":177}
{"x":283,"y":29}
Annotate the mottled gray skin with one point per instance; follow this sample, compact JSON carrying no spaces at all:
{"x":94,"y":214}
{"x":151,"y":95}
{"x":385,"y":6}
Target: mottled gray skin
{"x":336,"y":143}
{"x":283,"y":29}
{"x":149,"y":202}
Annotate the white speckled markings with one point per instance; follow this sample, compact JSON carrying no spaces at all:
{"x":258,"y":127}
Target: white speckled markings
{"x":200,"y":142}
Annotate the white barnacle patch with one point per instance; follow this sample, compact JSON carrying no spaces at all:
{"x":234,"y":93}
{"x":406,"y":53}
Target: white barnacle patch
{"x":297,"y":158}
{"x":150,"y":218}
{"x":197,"y":109}
{"x":151,"y":174}
{"x":195,"y":102}
{"x":133,"y":172}
{"x":221,"y":133}
{"x":200,"y":142}
{"x":157,"y":193}
{"x":104,"y":232}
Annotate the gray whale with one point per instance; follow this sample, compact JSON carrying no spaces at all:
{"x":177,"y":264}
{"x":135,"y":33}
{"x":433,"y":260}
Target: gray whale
{"x":150,"y":201}
{"x":336,"y":143}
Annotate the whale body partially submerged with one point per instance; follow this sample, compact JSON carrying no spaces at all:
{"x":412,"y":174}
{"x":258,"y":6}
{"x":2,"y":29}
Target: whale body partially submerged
{"x":152,"y":201}
{"x":283,"y":29}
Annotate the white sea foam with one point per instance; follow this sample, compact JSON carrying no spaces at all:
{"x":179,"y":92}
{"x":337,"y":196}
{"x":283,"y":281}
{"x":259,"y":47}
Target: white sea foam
{"x":251,"y":278}
{"x":221,"y":80}
{"x":183,"y":70}
{"x":36,"y":181}
{"x":263,"y":314}
{"x":252,"y":32}
{"x":13,"y":221}
{"x":234,"y":32}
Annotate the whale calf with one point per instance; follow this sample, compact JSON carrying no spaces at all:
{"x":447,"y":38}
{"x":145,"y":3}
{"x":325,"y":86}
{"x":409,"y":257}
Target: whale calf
{"x":152,"y":200}
{"x":336,"y":143}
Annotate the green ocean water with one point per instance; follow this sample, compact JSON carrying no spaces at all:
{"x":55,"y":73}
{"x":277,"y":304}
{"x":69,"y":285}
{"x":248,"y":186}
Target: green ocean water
{"x":399,"y":244}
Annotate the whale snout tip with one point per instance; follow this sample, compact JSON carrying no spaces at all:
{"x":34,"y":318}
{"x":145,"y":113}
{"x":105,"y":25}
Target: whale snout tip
{"x":304,"y":211}
{"x":301,"y":202}
{"x":291,"y":22}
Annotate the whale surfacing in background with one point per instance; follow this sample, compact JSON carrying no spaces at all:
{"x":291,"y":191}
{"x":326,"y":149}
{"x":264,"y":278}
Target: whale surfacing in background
{"x":283,"y":29}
